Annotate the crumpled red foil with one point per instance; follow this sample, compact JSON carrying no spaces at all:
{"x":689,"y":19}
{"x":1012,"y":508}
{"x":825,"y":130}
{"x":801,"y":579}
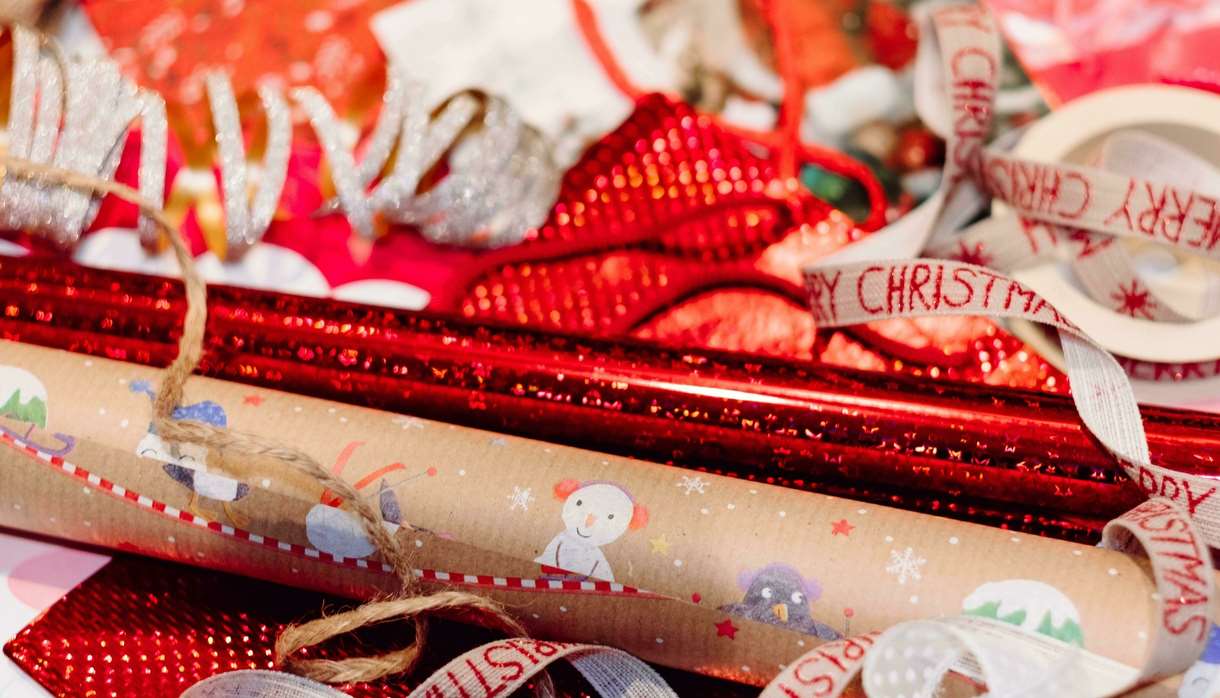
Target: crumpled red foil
{"x":142,"y":627}
{"x":1006,"y":457}
{"x":666,"y":206}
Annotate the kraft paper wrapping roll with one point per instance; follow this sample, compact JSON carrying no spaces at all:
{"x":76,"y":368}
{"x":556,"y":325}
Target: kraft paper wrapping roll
{"x":983,"y":453}
{"x":712,"y":574}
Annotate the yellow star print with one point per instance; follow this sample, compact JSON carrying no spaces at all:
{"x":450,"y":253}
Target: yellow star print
{"x":659,"y":544}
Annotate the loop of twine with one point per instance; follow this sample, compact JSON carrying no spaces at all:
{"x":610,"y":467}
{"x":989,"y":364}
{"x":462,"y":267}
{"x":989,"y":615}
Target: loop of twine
{"x":408,"y":603}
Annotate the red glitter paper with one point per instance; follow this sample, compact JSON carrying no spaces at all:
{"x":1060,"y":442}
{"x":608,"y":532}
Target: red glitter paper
{"x":147,"y":628}
{"x":1005,"y":457}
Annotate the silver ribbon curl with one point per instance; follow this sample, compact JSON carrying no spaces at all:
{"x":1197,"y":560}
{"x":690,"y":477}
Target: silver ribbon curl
{"x":75,"y":114}
{"x":502,"y":180}
{"x":246,"y":217}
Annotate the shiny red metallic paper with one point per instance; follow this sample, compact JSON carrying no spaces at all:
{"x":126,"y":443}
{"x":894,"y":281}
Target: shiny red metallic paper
{"x":142,"y":627}
{"x":1006,"y":457}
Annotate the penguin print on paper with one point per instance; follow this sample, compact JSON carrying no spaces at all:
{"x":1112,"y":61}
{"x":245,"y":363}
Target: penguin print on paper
{"x":779,"y":595}
{"x":594,"y":514}
{"x":187,"y":463}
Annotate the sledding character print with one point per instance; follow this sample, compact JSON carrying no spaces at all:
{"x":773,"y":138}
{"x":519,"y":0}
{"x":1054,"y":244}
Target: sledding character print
{"x":23,"y":398}
{"x":333,"y":529}
{"x":187,"y":464}
{"x":338,"y":531}
{"x":594,"y":514}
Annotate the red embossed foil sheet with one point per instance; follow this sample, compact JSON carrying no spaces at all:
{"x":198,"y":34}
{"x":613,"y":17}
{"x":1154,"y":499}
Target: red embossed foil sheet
{"x":142,"y":627}
{"x":1005,"y":457}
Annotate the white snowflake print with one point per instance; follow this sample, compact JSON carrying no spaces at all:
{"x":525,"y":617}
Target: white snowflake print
{"x":408,"y":422}
{"x":906,"y":565}
{"x":693,"y":484}
{"x":521,"y":498}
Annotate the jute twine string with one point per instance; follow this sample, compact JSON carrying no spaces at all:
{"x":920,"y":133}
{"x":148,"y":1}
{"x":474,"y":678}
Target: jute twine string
{"x":408,"y":603}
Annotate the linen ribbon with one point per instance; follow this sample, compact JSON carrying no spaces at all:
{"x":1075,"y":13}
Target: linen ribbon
{"x":1147,"y":189}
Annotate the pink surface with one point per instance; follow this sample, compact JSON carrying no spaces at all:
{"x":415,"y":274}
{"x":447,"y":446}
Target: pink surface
{"x":39,"y":581}
{"x":1073,"y":47}
{"x":33,"y":575}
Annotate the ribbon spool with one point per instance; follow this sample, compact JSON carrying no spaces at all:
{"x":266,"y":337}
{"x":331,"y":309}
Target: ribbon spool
{"x":1122,"y":236}
{"x":1076,"y":133}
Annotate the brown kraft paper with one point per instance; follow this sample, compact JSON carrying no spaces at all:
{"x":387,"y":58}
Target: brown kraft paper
{"x":711,"y":574}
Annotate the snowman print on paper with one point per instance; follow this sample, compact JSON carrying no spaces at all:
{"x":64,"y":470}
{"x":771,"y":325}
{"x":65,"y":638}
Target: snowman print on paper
{"x":594,"y":514}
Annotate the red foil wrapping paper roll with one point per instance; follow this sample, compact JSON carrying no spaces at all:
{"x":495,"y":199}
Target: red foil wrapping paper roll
{"x":1000,"y":456}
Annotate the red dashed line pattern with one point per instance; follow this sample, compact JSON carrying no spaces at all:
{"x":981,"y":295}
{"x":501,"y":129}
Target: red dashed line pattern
{"x":471,"y":580}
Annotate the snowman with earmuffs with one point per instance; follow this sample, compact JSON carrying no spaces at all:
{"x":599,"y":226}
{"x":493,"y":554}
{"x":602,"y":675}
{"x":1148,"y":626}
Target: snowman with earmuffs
{"x":595,"y":513}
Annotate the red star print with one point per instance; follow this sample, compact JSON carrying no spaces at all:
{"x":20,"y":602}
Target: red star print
{"x":1089,"y":243}
{"x":972,"y":254}
{"x":841,"y":527}
{"x":252,"y":400}
{"x":1134,"y":301}
{"x":725,"y":628}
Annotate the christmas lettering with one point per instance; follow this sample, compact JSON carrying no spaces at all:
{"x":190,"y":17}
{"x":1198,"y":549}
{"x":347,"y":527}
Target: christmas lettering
{"x":1178,"y":554}
{"x":822,"y":296}
{"x":824,"y":671}
{"x":964,"y":17}
{"x":1168,"y":214}
{"x":1161,"y":483}
{"x":1036,"y":188}
{"x":496,"y":669}
{"x":930,"y":287}
{"x":972,"y":90}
